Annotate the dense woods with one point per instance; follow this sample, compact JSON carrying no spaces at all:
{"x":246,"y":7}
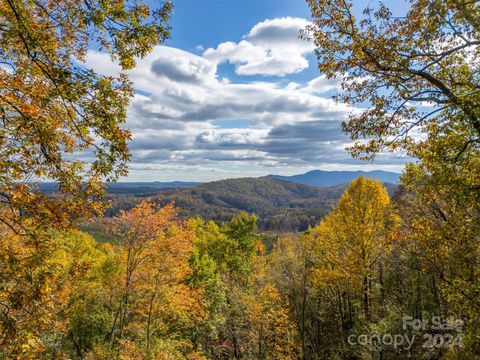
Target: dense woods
{"x":168,"y":288}
{"x":378,"y":277}
{"x":280,"y":205}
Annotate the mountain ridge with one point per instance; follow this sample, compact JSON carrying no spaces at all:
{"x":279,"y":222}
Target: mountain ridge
{"x":314,"y":178}
{"x":337,"y":177}
{"x":279,"y":204}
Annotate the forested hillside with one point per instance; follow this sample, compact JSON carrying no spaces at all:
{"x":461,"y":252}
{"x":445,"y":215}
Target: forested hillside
{"x":280,"y":205}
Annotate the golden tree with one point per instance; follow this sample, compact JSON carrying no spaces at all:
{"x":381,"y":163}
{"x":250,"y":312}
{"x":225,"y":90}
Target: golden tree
{"x":418,"y":70}
{"x":53,"y":113}
{"x":353,"y":238}
{"x":154,"y":302}
{"x":52,"y":108}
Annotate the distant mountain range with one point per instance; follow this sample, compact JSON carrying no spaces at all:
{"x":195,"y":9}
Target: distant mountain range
{"x":314,"y":178}
{"x":332,"y":178}
{"x":137,"y":188}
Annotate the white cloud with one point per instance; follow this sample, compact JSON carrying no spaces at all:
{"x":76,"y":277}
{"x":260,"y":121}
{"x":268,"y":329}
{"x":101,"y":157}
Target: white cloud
{"x":232,"y":137}
{"x":184,"y":87}
{"x":181,"y":100}
{"x":272,"y":47}
{"x":182,"y":68}
{"x":322,"y":85}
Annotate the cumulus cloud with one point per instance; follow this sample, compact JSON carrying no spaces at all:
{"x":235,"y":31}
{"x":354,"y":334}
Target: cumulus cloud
{"x":271,"y":47}
{"x":322,"y":85}
{"x":183,"y":87}
{"x":231,"y":138}
{"x":180,"y":113}
{"x":183,"y":69}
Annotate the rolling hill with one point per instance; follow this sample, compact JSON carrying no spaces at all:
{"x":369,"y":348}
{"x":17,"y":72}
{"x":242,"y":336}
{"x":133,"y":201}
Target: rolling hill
{"x":280,"y":205}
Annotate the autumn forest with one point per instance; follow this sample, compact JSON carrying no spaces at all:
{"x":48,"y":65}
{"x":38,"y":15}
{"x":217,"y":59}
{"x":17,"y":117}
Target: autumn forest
{"x":363,"y":271}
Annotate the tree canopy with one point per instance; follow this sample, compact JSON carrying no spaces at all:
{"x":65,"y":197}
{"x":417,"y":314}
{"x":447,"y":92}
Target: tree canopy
{"x":61,"y":121}
{"x":409,"y":73}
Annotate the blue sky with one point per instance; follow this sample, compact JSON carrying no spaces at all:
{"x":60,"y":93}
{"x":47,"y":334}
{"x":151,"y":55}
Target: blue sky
{"x":235,"y":93}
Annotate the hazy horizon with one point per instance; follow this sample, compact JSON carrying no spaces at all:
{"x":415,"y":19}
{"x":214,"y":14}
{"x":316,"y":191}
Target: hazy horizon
{"x":130,"y":179}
